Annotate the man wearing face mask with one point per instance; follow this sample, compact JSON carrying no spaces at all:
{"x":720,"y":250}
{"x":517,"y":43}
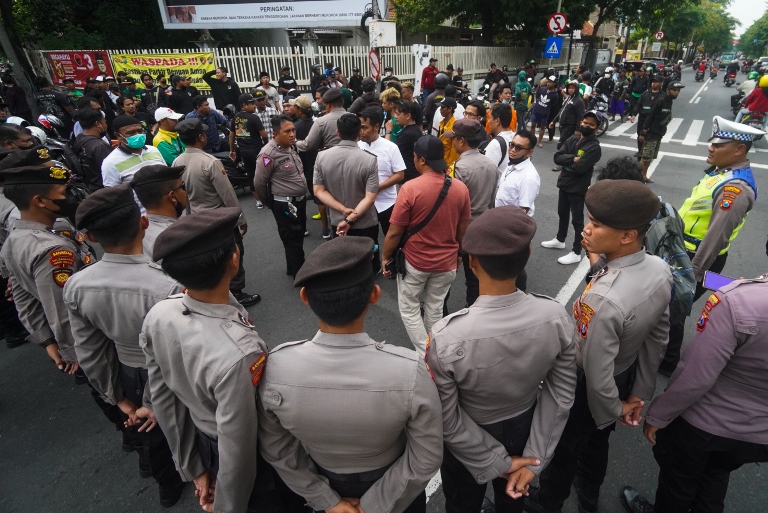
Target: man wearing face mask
{"x":163,"y":193}
{"x":90,"y":147}
{"x":15,"y":137}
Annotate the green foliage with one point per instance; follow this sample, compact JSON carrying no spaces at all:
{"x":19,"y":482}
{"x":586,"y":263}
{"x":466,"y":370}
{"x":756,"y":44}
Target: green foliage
{"x":754,"y":41}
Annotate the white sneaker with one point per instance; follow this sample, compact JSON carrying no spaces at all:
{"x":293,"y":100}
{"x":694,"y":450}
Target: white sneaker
{"x":570,"y":258}
{"x":553,"y":244}
{"x":259,"y":204}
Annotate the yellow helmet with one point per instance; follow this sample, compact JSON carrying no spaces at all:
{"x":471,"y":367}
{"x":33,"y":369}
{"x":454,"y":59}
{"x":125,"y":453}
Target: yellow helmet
{"x":763,"y":81}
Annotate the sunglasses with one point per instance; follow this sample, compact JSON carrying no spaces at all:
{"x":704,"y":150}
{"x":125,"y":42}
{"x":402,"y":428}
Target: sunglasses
{"x":517,"y":147}
{"x":181,"y":186}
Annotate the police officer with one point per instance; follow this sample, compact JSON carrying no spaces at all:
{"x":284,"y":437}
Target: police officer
{"x":282,"y":186}
{"x":163,"y":193}
{"x":359,"y":419}
{"x":716,"y":211}
{"x":107,"y":303}
{"x":492,"y":417}
{"x":622,"y":319}
{"x":323,"y":132}
{"x":711,"y":419}
{"x":205,"y":363}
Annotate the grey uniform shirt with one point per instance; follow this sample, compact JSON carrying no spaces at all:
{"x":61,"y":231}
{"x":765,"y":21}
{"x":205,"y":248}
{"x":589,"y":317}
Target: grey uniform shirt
{"x":347,"y":172}
{"x":107,"y":303}
{"x":480,"y":176}
{"x":204,"y":363}
{"x":281,"y":166}
{"x":206,"y":182}
{"x":323,"y":132}
{"x":488,"y":361}
{"x":157,"y":224}
{"x":39,"y":262}
{"x":622,"y":316}
{"x":350,"y":404}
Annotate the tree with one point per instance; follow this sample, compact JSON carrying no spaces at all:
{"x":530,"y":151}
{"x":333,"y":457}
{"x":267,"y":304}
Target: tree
{"x":754,"y":41}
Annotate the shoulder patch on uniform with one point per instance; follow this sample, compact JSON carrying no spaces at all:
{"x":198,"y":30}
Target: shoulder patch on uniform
{"x":712,"y":301}
{"x":586,"y":313}
{"x":87,"y":259}
{"x":726,"y":204}
{"x":60,"y":276}
{"x":732,"y":188}
{"x":266,"y":160}
{"x":410,"y":354}
{"x":257,"y":369}
{"x":62,"y":258}
{"x":288,"y":344}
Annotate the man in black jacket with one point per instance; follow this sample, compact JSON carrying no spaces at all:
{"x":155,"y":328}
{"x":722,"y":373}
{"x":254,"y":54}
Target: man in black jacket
{"x":225,"y":90}
{"x":577,"y":157}
{"x":89,"y":146}
{"x":570,"y":115}
{"x":369,"y":98}
{"x":643,"y":106}
{"x":640,"y":83}
{"x":655,"y":126}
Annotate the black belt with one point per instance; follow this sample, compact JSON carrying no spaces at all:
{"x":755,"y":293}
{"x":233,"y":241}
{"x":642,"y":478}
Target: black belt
{"x":692,"y":240}
{"x":370,"y":476}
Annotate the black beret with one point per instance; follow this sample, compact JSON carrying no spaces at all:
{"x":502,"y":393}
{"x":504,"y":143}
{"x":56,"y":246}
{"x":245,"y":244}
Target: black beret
{"x":622,"y":204}
{"x":191,"y":127}
{"x":34,"y":156}
{"x":102,"y":202}
{"x":123,"y":121}
{"x":499,"y":231}
{"x":338,"y":264}
{"x":156,"y":173}
{"x":35,"y":175}
{"x":197,"y":234}
{"x":332,"y":95}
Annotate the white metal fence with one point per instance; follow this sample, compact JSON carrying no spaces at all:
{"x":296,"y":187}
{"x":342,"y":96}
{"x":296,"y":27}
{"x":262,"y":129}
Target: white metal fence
{"x":245,"y":63}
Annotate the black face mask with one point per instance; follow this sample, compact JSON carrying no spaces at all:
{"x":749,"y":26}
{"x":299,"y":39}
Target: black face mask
{"x":180,"y":209}
{"x":516,"y":161}
{"x":586,"y":131}
{"x":67,"y":206}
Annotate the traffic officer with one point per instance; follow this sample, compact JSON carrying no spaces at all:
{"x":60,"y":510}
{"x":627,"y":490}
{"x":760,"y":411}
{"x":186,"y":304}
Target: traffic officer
{"x":205,"y":363}
{"x":163,"y":193}
{"x":519,"y":341}
{"x":369,"y":436}
{"x":107,"y":303}
{"x":622,"y":321}
{"x":715,"y":211}
{"x":280,"y":183}
{"x":712,"y":418}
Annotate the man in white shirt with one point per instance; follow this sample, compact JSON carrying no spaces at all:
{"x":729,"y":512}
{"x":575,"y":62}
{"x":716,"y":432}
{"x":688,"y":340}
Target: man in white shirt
{"x":501,"y":117}
{"x":519,"y":183}
{"x":273,"y":96}
{"x":390,"y":162}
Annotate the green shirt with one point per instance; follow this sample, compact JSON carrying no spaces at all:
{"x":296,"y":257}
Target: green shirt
{"x":522,"y":92}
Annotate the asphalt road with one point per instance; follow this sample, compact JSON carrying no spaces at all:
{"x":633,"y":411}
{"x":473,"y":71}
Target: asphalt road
{"x":58,"y":453}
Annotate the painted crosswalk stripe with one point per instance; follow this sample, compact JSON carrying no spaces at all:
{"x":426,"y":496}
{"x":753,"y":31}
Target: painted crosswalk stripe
{"x":619,"y":130}
{"x":671,"y":129}
{"x":692,"y":137}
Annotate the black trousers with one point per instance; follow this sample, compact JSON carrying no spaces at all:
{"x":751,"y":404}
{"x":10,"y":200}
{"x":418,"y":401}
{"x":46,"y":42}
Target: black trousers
{"x":566,"y":132}
{"x":695,"y":466}
{"x":249,"y":155}
{"x":570,"y":208}
{"x":582,"y":452}
{"x":384,"y":219}
{"x":471,"y":281}
{"x":10,"y":325}
{"x":154,"y":447}
{"x":372,"y":232}
{"x":355,"y":486}
{"x":462,"y":493}
{"x":270,"y":494}
{"x":677,"y":331}
{"x":238,"y":282}
{"x":291,"y":232}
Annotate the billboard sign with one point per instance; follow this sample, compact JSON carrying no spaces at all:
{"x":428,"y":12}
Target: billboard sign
{"x":193,"y":65}
{"x":79,"y":66}
{"x":232,"y":14}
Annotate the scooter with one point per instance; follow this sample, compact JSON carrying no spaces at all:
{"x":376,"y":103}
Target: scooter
{"x":730,"y":79}
{"x":600,"y":102}
{"x":699,"y":76}
{"x":713,"y":73}
{"x":754,"y":119}
{"x":736,"y":104}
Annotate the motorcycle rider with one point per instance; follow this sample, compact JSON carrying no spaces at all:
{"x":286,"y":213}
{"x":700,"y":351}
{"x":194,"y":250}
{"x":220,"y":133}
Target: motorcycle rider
{"x":430,"y":105}
{"x":757,"y":101}
{"x":744,"y":89}
{"x":494,"y":78}
{"x":605,"y":84}
{"x":458,"y":81}
{"x":733,"y":67}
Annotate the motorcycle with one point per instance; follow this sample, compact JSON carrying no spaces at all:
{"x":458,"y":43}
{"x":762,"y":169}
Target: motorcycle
{"x":713,"y":73}
{"x":699,"y":76}
{"x":483,"y":94}
{"x":600,"y":102}
{"x":730,"y":79}
{"x":754,"y":119}
{"x":736,"y":104}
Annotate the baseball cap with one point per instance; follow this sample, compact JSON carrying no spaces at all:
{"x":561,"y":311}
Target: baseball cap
{"x":128,"y":80}
{"x":301,"y":102}
{"x":165,"y":113}
{"x":191,"y":126}
{"x":449,"y":67}
{"x":432,"y":59}
{"x":259,"y":94}
{"x":246,"y":98}
{"x":467,"y":128}
{"x":431,"y":148}
{"x":448,"y":102}
{"x":675,"y":85}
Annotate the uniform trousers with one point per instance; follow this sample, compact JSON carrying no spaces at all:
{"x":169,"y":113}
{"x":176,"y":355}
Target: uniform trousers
{"x":291,"y":231}
{"x":570,"y":208}
{"x":372,"y":232}
{"x":355,"y":485}
{"x":270,"y":494}
{"x":154,"y":447}
{"x":694,"y":467}
{"x":238,"y":282}
{"x":582,"y":453}
{"x":462,"y":493}
{"x":677,"y":331}
{"x":11,"y":327}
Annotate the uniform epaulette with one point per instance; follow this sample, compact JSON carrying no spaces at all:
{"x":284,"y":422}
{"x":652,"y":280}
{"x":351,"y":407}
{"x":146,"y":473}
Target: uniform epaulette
{"x":544,"y":297}
{"x":288,"y":344}
{"x":176,"y":296}
{"x":410,"y":354}
{"x":442,"y":323}
{"x":371,"y":153}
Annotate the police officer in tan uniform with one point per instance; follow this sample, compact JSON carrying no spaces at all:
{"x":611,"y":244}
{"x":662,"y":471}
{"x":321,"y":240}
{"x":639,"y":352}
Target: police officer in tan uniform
{"x":622,"y":323}
{"x":205,"y":363}
{"x":163,"y":193}
{"x":323,"y":132}
{"x":345,"y":420}
{"x":107,"y":303}
{"x":488,"y":362}
{"x":279,"y":167}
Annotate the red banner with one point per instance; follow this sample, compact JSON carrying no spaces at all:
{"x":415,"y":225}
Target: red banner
{"x":79,"y":66}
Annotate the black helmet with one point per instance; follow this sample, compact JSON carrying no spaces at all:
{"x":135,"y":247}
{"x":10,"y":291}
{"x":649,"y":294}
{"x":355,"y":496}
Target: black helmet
{"x":505,"y":68}
{"x":388,"y":68}
{"x":441,"y":80}
{"x":459,"y":69}
{"x":449,"y":67}
{"x":587,"y":75}
{"x":355,"y":69}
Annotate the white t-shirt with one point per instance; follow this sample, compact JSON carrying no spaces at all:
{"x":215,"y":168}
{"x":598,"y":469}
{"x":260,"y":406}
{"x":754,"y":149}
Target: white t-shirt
{"x":457,"y":114}
{"x":519,"y":185}
{"x":272,"y":95}
{"x":390,"y":161}
{"x":493,"y":150}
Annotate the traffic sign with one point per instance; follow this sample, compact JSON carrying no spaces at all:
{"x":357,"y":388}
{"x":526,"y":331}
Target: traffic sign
{"x":659,"y":35}
{"x":557,"y":23}
{"x":553,"y":47}
{"x":690,"y":44}
{"x":374,"y":64}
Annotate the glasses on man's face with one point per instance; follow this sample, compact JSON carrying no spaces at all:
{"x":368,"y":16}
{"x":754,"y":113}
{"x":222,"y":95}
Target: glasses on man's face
{"x":468,"y":114}
{"x":181,"y":186}
{"x":517,"y":147}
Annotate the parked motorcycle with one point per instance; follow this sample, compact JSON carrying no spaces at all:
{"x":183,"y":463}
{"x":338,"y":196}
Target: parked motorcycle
{"x":730,"y":79}
{"x":600,"y":102}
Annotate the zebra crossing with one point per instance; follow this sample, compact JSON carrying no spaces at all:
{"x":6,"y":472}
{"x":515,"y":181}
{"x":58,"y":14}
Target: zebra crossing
{"x":693,"y":131}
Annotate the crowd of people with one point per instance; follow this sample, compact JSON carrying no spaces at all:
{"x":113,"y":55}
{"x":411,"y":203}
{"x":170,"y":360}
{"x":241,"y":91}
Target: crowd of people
{"x":509,"y":388}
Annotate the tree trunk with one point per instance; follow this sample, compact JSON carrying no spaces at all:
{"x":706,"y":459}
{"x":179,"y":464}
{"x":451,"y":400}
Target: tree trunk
{"x":23,"y":69}
{"x":488,"y":25}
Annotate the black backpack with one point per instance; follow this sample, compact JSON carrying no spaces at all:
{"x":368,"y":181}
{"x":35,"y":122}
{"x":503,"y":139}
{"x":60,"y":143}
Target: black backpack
{"x":502,"y":142}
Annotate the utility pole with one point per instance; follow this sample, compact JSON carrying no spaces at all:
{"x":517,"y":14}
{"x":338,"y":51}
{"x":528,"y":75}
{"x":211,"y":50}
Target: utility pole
{"x":19,"y":72}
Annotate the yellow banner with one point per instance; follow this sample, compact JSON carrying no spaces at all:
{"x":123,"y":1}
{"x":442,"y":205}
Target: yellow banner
{"x":193,"y":65}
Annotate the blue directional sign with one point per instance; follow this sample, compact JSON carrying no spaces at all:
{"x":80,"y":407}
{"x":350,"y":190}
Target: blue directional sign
{"x":554,"y":47}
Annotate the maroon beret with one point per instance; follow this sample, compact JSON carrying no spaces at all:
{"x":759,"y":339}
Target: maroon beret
{"x":622,"y":204}
{"x":499,"y":231}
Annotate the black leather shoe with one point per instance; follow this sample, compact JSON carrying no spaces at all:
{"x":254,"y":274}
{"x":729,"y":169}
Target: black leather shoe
{"x":634,"y":502}
{"x":488,"y":506}
{"x":12,"y":341}
{"x":557,"y":169}
{"x":246,"y":299}
{"x":532,"y":505}
{"x":170,"y":495}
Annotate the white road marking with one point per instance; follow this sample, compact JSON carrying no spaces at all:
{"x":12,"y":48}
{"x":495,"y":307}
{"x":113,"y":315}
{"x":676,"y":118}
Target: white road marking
{"x":433,"y":485}
{"x":705,"y":84}
{"x":619,"y":130}
{"x":574,"y":281}
{"x":671,"y":129}
{"x":692,"y":137}
{"x":676,"y":155}
{"x":706,"y":88}
{"x":697,"y":99}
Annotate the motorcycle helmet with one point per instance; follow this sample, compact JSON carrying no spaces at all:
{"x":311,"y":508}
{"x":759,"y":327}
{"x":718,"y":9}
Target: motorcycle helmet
{"x":229,"y":111}
{"x":735,"y":61}
{"x":752,"y":75}
{"x":505,"y":68}
{"x":763,"y":81}
{"x":39,"y":134}
{"x":441,"y":80}
{"x":608,"y":70}
{"x":459,"y":69}
{"x":16,"y":120}
{"x":355,"y":69}
{"x":49,"y":121}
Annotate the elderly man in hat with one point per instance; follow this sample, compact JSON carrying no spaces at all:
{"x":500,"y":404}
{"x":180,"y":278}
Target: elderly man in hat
{"x":520,"y":341}
{"x":622,"y":321}
{"x":716,"y":211}
{"x":378,"y":455}
{"x":107,"y":303}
